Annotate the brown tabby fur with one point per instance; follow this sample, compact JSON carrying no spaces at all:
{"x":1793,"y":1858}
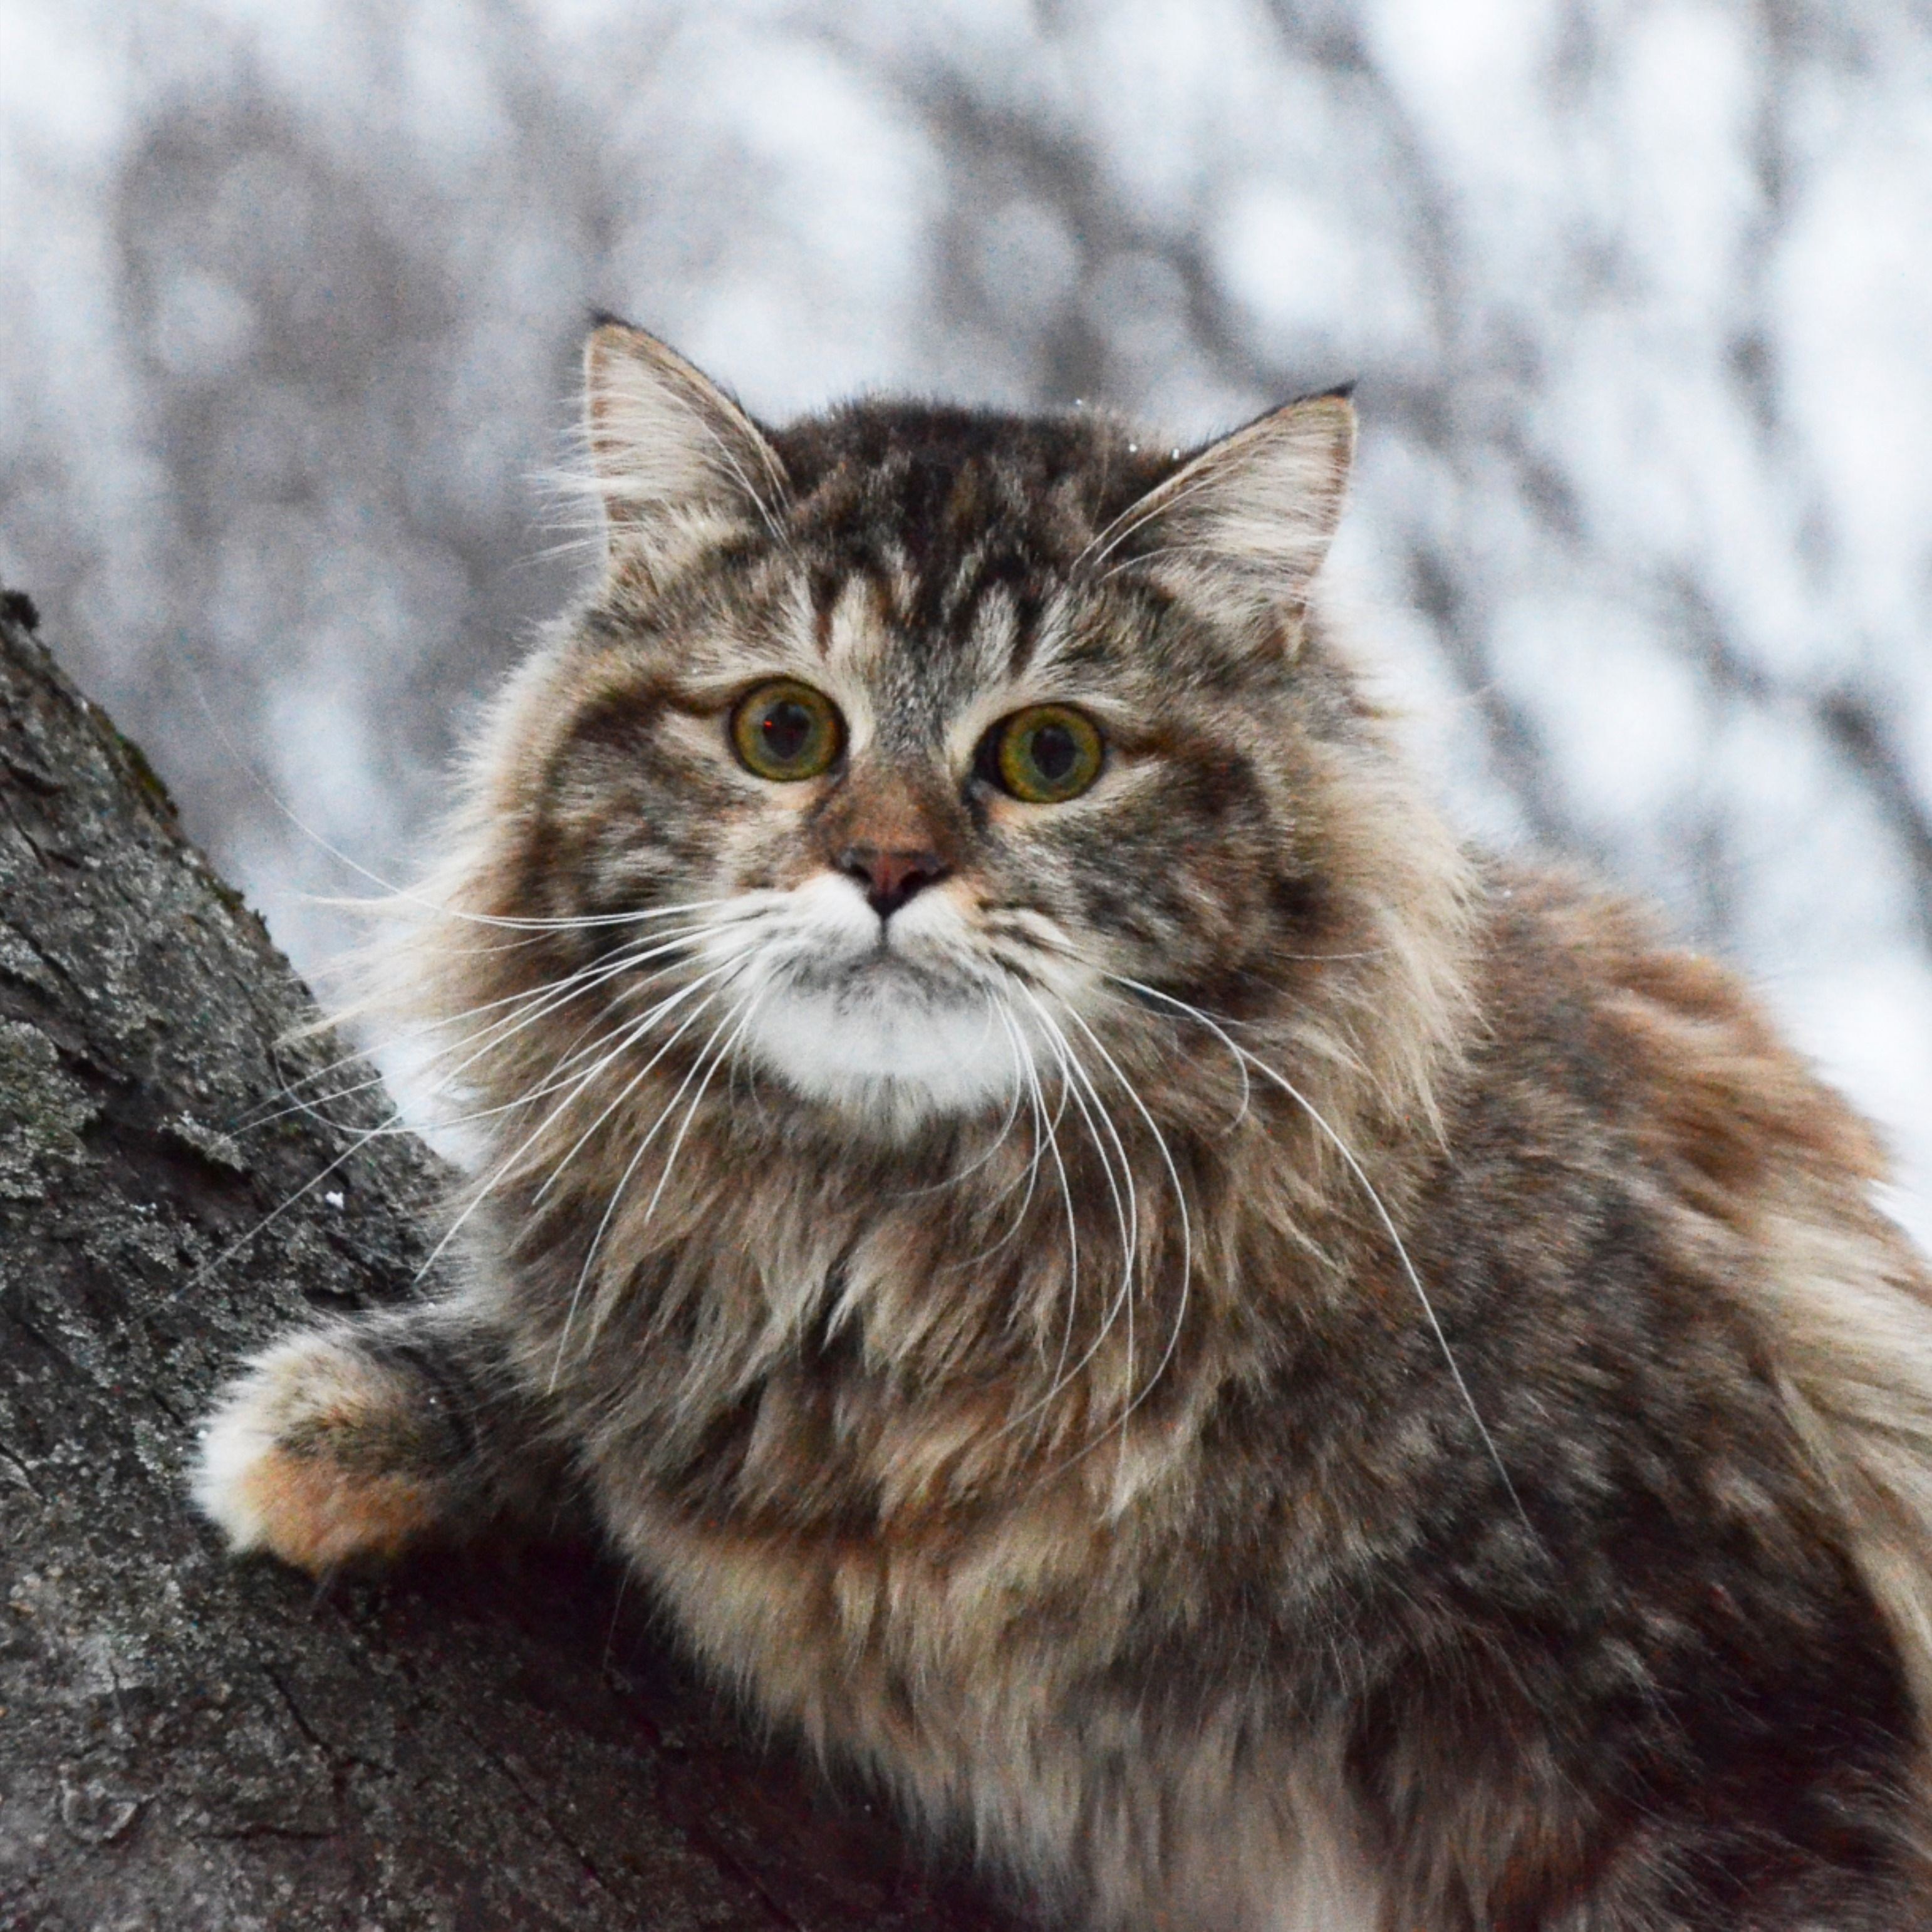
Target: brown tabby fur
{"x":1406,"y":1420}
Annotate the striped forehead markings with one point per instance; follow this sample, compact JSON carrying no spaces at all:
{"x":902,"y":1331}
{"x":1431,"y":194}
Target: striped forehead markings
{"x":988,"y":615}
{"x":852,"y":616}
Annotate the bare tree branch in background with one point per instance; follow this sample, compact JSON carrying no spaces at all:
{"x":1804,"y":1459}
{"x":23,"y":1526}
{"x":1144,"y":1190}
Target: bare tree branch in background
{"x":1631,"y":290}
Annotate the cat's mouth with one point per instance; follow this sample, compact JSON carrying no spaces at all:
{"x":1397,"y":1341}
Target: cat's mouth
{"x":893,"y":1021}
{"x":883,"y":974}
{"x":883,"y":1035}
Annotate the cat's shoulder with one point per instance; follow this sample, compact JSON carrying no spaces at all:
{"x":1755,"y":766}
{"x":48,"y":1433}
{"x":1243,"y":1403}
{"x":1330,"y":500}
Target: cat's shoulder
{"x":1672,"y":1048}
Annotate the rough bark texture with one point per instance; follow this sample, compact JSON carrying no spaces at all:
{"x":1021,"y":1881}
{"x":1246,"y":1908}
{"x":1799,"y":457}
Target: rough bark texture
{"x":188,"y":1743}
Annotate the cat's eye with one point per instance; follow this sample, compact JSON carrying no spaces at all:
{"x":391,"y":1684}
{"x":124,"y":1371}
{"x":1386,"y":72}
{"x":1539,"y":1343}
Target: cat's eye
{"x":1045,"y":754}
{"x":785,"y":730}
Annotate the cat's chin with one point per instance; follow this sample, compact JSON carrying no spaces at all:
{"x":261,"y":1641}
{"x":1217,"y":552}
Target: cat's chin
{"x":890,"y":1045}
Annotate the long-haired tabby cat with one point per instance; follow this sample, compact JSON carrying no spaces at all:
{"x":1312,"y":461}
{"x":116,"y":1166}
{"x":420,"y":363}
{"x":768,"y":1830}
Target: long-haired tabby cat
{"x":1277,"y":1373}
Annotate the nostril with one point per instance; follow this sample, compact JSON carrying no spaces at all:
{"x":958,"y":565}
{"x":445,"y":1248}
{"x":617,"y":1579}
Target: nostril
{"x":890,"y":878}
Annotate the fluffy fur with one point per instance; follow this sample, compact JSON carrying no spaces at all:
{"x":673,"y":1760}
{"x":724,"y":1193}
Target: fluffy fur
{"x":1276,"y":1375}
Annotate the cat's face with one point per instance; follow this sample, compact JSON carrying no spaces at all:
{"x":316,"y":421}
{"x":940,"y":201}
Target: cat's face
{"x":919,"y":738}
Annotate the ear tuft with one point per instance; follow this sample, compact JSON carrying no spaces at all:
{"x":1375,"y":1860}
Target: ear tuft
{"x":1251,"y":517}
{"x":678,"y":465}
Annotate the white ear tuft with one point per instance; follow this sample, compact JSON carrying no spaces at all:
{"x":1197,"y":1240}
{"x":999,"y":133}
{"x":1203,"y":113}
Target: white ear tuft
{"x":678,"y":464}
{"x":1252,"y":515}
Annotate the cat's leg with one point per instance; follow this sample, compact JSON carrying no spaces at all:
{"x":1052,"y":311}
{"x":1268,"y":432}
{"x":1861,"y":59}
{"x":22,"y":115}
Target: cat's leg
{"x":354,"y":1441}
{"x":1749,"y":1776}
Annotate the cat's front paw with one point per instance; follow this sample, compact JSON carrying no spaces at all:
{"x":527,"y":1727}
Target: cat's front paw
{"x":318,"y":1455}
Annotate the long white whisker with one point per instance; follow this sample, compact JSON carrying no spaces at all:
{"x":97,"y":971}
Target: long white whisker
{"x":527,"y":1007}
{"x":1181,"y":1202}
{"x":505,"y":1030}
{"x":1081,"y":1089}
{"x":581,"y":1048}
{"x":1388,"y":1220}
{"x":608,"y":1043}
{"x":582,"y":922}
{"x":362,"y":1139}
{"x":973,"y":1166}
{"x":644,"y":946}
{"x":631,"y":1085}
{"x":998,"y":1140}
{"x":1061,"y":1374}
{"x":1126,"y":1208}
{"x":624,"y":1180}
{"x":483,"y":1193}
{"x":743,"y":1018}
{"x":1057,"y":1381}
{"x":1026,"y":1086}
{"x":1122,"y":1307}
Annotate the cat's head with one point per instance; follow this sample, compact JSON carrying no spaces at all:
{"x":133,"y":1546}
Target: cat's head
{"x":913,"y":751}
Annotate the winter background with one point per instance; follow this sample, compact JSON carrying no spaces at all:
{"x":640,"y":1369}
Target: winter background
{"x":1640,"y":297}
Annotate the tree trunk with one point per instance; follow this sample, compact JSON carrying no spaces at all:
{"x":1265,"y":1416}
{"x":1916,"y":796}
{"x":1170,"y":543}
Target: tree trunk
{"x":187,"y":1742}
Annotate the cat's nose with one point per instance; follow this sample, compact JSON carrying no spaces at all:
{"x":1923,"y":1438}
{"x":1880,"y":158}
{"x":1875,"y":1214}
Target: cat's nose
{"x":890,"y":878}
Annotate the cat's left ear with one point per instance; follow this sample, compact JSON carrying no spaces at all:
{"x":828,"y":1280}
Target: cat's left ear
{"x":1249,"y":518}
{"x":678,"y":465}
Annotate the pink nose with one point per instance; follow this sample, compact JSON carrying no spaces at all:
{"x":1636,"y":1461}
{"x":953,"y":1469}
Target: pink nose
{"x":890,"y":878}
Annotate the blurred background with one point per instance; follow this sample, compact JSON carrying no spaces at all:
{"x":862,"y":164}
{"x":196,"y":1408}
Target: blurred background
{"x":1639,"y":293}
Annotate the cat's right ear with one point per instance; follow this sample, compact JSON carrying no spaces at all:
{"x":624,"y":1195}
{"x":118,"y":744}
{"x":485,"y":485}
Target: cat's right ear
{"x":678,"y":465}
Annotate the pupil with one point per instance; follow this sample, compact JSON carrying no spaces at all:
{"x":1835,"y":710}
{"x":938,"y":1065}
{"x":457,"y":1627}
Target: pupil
{"x":1053,"y":752}
{"x":787,"y":729}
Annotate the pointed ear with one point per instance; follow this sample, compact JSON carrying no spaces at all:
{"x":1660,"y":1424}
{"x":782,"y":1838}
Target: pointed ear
{"x":1250,"y":518}
{"x":677,"y":464}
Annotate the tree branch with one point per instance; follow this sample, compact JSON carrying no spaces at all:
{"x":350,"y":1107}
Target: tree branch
{"x":490,"y":1743}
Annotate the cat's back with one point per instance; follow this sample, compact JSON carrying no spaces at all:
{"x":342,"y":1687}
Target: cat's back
{"x":1665,"y":1198}
{"x":1611,"y":1072}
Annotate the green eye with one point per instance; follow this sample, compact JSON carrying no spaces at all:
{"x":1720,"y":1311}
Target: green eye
{"x":784,"y":730}
{"x":1045,"y":755}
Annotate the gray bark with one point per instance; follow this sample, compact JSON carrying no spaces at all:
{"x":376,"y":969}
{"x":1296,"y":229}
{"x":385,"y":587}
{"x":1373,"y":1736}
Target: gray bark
{"x":186,"y":1742}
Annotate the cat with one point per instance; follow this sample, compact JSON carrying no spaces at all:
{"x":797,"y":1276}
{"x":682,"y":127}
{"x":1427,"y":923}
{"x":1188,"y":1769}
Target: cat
{"x":1273,"y":1371}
